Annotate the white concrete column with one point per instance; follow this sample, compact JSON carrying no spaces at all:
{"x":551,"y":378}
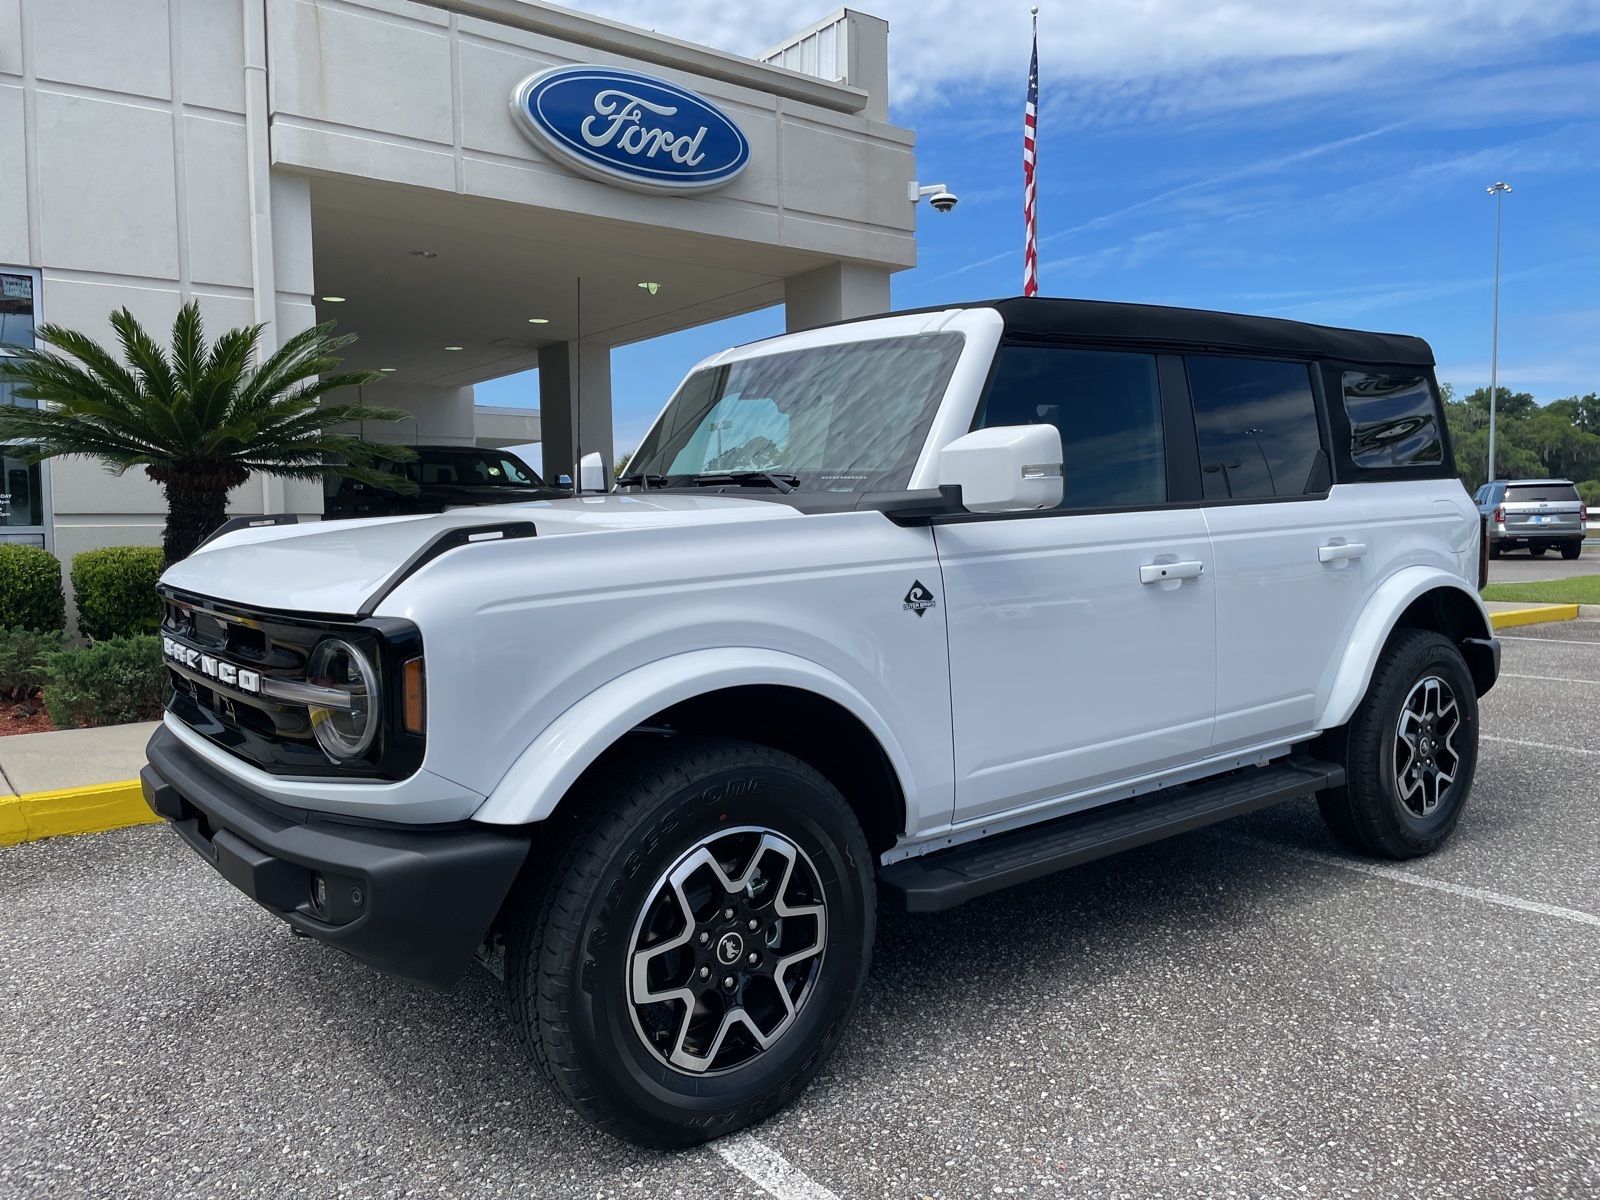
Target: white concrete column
{"x":574,"y":406}
{"x":834,"y":293}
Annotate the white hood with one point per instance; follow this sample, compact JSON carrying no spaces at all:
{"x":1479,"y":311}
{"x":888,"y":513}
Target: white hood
{"x":335,"y":566}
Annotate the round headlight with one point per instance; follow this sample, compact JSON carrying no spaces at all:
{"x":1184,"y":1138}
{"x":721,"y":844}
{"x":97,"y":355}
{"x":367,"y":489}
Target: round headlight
{"x":344,"y":732}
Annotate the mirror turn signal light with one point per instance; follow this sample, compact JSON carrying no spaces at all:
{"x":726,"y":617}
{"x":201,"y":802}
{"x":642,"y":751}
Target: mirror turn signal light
{"x":411,"y":677}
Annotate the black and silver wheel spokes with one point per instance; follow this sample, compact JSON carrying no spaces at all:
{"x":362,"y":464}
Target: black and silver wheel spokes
{"x":726,"y":951}
{"x":1426,"y":758}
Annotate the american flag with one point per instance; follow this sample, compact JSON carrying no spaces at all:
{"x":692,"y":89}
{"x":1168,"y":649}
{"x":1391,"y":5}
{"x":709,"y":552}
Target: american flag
{"x":1030,"y":129}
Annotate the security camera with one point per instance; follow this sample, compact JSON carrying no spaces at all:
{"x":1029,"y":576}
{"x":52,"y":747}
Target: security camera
{"x":936,"y":194}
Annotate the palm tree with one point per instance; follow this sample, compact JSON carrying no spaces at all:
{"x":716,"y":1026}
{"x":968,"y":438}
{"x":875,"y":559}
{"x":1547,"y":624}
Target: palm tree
{"x":198,"y":419}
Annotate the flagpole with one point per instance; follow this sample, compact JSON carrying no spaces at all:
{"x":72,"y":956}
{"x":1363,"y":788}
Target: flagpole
{"x":1030,"y":191}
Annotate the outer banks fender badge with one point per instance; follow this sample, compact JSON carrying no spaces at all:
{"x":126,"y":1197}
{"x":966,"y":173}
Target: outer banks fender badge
{"x":919,"y":599}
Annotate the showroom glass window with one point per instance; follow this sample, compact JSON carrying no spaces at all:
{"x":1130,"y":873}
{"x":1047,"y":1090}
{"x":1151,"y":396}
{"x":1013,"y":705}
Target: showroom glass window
{"x":21,"y":490}
{"x":1106,"y":405}
{"x":1256,"y":421}
{"x":1394,"y":420}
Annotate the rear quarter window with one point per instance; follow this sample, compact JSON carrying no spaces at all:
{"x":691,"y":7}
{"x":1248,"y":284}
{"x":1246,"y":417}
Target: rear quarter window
{"x":1394,"y":420}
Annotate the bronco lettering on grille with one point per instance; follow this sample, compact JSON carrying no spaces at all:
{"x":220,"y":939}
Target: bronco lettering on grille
{"x":212,"y":667}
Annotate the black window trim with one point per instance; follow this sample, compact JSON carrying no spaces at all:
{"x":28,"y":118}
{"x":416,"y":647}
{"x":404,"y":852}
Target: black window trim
{"x":1344,"y":467}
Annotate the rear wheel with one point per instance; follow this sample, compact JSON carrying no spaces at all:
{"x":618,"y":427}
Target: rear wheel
{"x":1571,"y":550}
{"x":702,"y":947}
{"x":1409,"y":752}
{"x":1494,"y":549}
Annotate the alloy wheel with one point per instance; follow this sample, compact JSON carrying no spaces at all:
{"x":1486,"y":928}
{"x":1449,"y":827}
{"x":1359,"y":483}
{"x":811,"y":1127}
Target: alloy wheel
{"x":1426,"y":758}
{"x":726,"y":951}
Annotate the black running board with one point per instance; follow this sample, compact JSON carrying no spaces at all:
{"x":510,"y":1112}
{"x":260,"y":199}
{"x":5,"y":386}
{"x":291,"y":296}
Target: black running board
{"x":950,"y":877}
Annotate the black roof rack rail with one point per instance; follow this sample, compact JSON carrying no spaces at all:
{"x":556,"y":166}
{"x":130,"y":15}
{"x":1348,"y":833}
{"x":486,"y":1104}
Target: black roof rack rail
{"x":443,"y":543}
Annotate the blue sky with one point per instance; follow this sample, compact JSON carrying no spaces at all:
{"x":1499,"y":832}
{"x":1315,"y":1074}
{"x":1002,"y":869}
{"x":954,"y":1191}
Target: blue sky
{"x":1315,"y":160}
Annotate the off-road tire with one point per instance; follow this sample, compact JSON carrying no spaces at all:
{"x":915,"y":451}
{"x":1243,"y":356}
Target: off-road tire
{"x":1367,"y":814}
{"x":570,"y":939}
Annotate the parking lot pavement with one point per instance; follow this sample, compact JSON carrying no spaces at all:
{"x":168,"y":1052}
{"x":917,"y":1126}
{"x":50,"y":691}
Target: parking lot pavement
{"x":1243,"y":1011}
{"x":1518,"y":566}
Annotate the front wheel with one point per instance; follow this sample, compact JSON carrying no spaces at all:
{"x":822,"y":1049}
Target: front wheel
{"x":1409,"y":751}
{"x":1536,"y":551}
{"x":702,"y":946}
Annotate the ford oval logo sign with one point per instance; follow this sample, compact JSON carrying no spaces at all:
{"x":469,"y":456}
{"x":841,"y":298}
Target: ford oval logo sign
{"x":630,"y":129}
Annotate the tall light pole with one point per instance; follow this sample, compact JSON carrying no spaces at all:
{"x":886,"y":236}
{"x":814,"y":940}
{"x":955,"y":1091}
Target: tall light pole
{"x":1497,"y":190}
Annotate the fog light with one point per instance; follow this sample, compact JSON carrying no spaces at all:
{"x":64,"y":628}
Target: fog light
{"x":319,"y":893}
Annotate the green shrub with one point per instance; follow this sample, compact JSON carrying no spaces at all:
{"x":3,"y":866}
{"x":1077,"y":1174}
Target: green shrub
{"x":24,"y":656}
{"x":115,"y":591}
{"x":1590,"y":491}
{"x":30,"y":589}
{"x":107,"y":683}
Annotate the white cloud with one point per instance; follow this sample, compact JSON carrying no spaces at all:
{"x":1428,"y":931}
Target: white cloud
{"x":1155,"y":57}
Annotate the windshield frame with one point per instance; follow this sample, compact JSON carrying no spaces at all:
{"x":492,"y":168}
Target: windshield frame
{"x":658,"y":448}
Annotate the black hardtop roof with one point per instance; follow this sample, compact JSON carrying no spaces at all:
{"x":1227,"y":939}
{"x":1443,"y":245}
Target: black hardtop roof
{"x":1200,"y":328}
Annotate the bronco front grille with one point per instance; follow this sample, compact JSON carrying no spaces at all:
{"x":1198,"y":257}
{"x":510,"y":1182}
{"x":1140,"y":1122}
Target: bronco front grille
{"x":223,"y":648}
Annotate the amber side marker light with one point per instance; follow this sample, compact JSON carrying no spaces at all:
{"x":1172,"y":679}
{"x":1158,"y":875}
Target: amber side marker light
{"x":411,"y":675}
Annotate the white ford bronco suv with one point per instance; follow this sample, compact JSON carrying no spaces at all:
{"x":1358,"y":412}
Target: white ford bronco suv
{"x":912,"y":607}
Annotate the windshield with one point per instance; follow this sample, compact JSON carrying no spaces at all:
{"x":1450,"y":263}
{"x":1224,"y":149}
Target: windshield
{"x":847,"y":418}
{"x":476,"y":468}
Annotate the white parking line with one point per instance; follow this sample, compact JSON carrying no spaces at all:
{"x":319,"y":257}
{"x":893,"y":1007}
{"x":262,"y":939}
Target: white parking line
{"x":1487,"y":737}
{"x":769,"y":1170}
{"x":1550,"y":679}
{"x":1512,"y":637}
{"x":1396,"y":875}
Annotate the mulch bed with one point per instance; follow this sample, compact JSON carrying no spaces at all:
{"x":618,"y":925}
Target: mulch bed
{"x":17,"y":719}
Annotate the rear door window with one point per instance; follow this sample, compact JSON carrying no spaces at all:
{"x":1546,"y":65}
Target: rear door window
{"x":1534,"y":493}
{"x":1257,"y":424}
{"x":1106,"y":405}
{"x":1394,"y":420}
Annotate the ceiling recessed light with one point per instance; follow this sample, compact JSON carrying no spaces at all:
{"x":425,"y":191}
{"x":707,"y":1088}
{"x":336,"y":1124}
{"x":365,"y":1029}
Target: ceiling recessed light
{"x":652,"y":288}
{"x":538,"y":320}
{"x":424,"y":254}
{"x":452,"y":347}
{"x":387,"y":370}
{"x":333,"y":299}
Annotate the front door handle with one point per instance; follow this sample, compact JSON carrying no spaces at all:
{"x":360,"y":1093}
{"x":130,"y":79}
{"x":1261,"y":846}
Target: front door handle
{"x":1161,"y":572}
{"x":1340,"y":552}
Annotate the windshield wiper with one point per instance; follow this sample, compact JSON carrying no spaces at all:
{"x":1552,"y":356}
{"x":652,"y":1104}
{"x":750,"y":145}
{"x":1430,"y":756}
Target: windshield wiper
{"x":649,"y":481}
{"x":779,"y":483}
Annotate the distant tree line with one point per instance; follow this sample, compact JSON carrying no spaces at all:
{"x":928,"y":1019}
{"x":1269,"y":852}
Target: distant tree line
{"x":1559,"y":440}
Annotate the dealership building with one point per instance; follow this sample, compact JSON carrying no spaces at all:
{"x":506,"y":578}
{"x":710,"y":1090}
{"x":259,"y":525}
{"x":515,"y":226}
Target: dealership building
{"x":474,"y":187}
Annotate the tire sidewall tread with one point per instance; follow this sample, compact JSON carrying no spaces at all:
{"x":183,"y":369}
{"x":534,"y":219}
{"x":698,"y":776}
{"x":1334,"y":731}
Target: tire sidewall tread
{"x":1365,"y":814}
{"x":642,"y":818}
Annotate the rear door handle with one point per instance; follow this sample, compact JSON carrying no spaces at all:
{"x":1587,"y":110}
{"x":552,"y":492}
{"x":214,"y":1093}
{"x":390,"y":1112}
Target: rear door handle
{"x":1158,"y":572}
{"x":1341,"y":552}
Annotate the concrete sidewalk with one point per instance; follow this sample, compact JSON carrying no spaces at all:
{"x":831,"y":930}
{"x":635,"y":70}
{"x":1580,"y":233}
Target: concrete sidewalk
{"x":72,"y":758}
{"x":72,"y":781}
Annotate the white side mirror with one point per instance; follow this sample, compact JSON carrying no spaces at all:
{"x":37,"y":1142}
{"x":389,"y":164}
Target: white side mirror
{"x":1009,"y":468}
{"x":592,"y":473}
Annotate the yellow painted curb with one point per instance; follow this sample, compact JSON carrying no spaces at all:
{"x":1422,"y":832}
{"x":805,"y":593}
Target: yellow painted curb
{"x":1534,"y":616}
{"x":73,"y":810}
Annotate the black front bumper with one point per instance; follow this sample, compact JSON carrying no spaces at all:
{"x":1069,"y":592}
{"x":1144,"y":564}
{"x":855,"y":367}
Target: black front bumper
{"x":412,"y":902}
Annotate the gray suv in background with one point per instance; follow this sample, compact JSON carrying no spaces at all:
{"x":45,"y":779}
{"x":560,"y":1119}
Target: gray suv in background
{"x":1541,"y":514}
